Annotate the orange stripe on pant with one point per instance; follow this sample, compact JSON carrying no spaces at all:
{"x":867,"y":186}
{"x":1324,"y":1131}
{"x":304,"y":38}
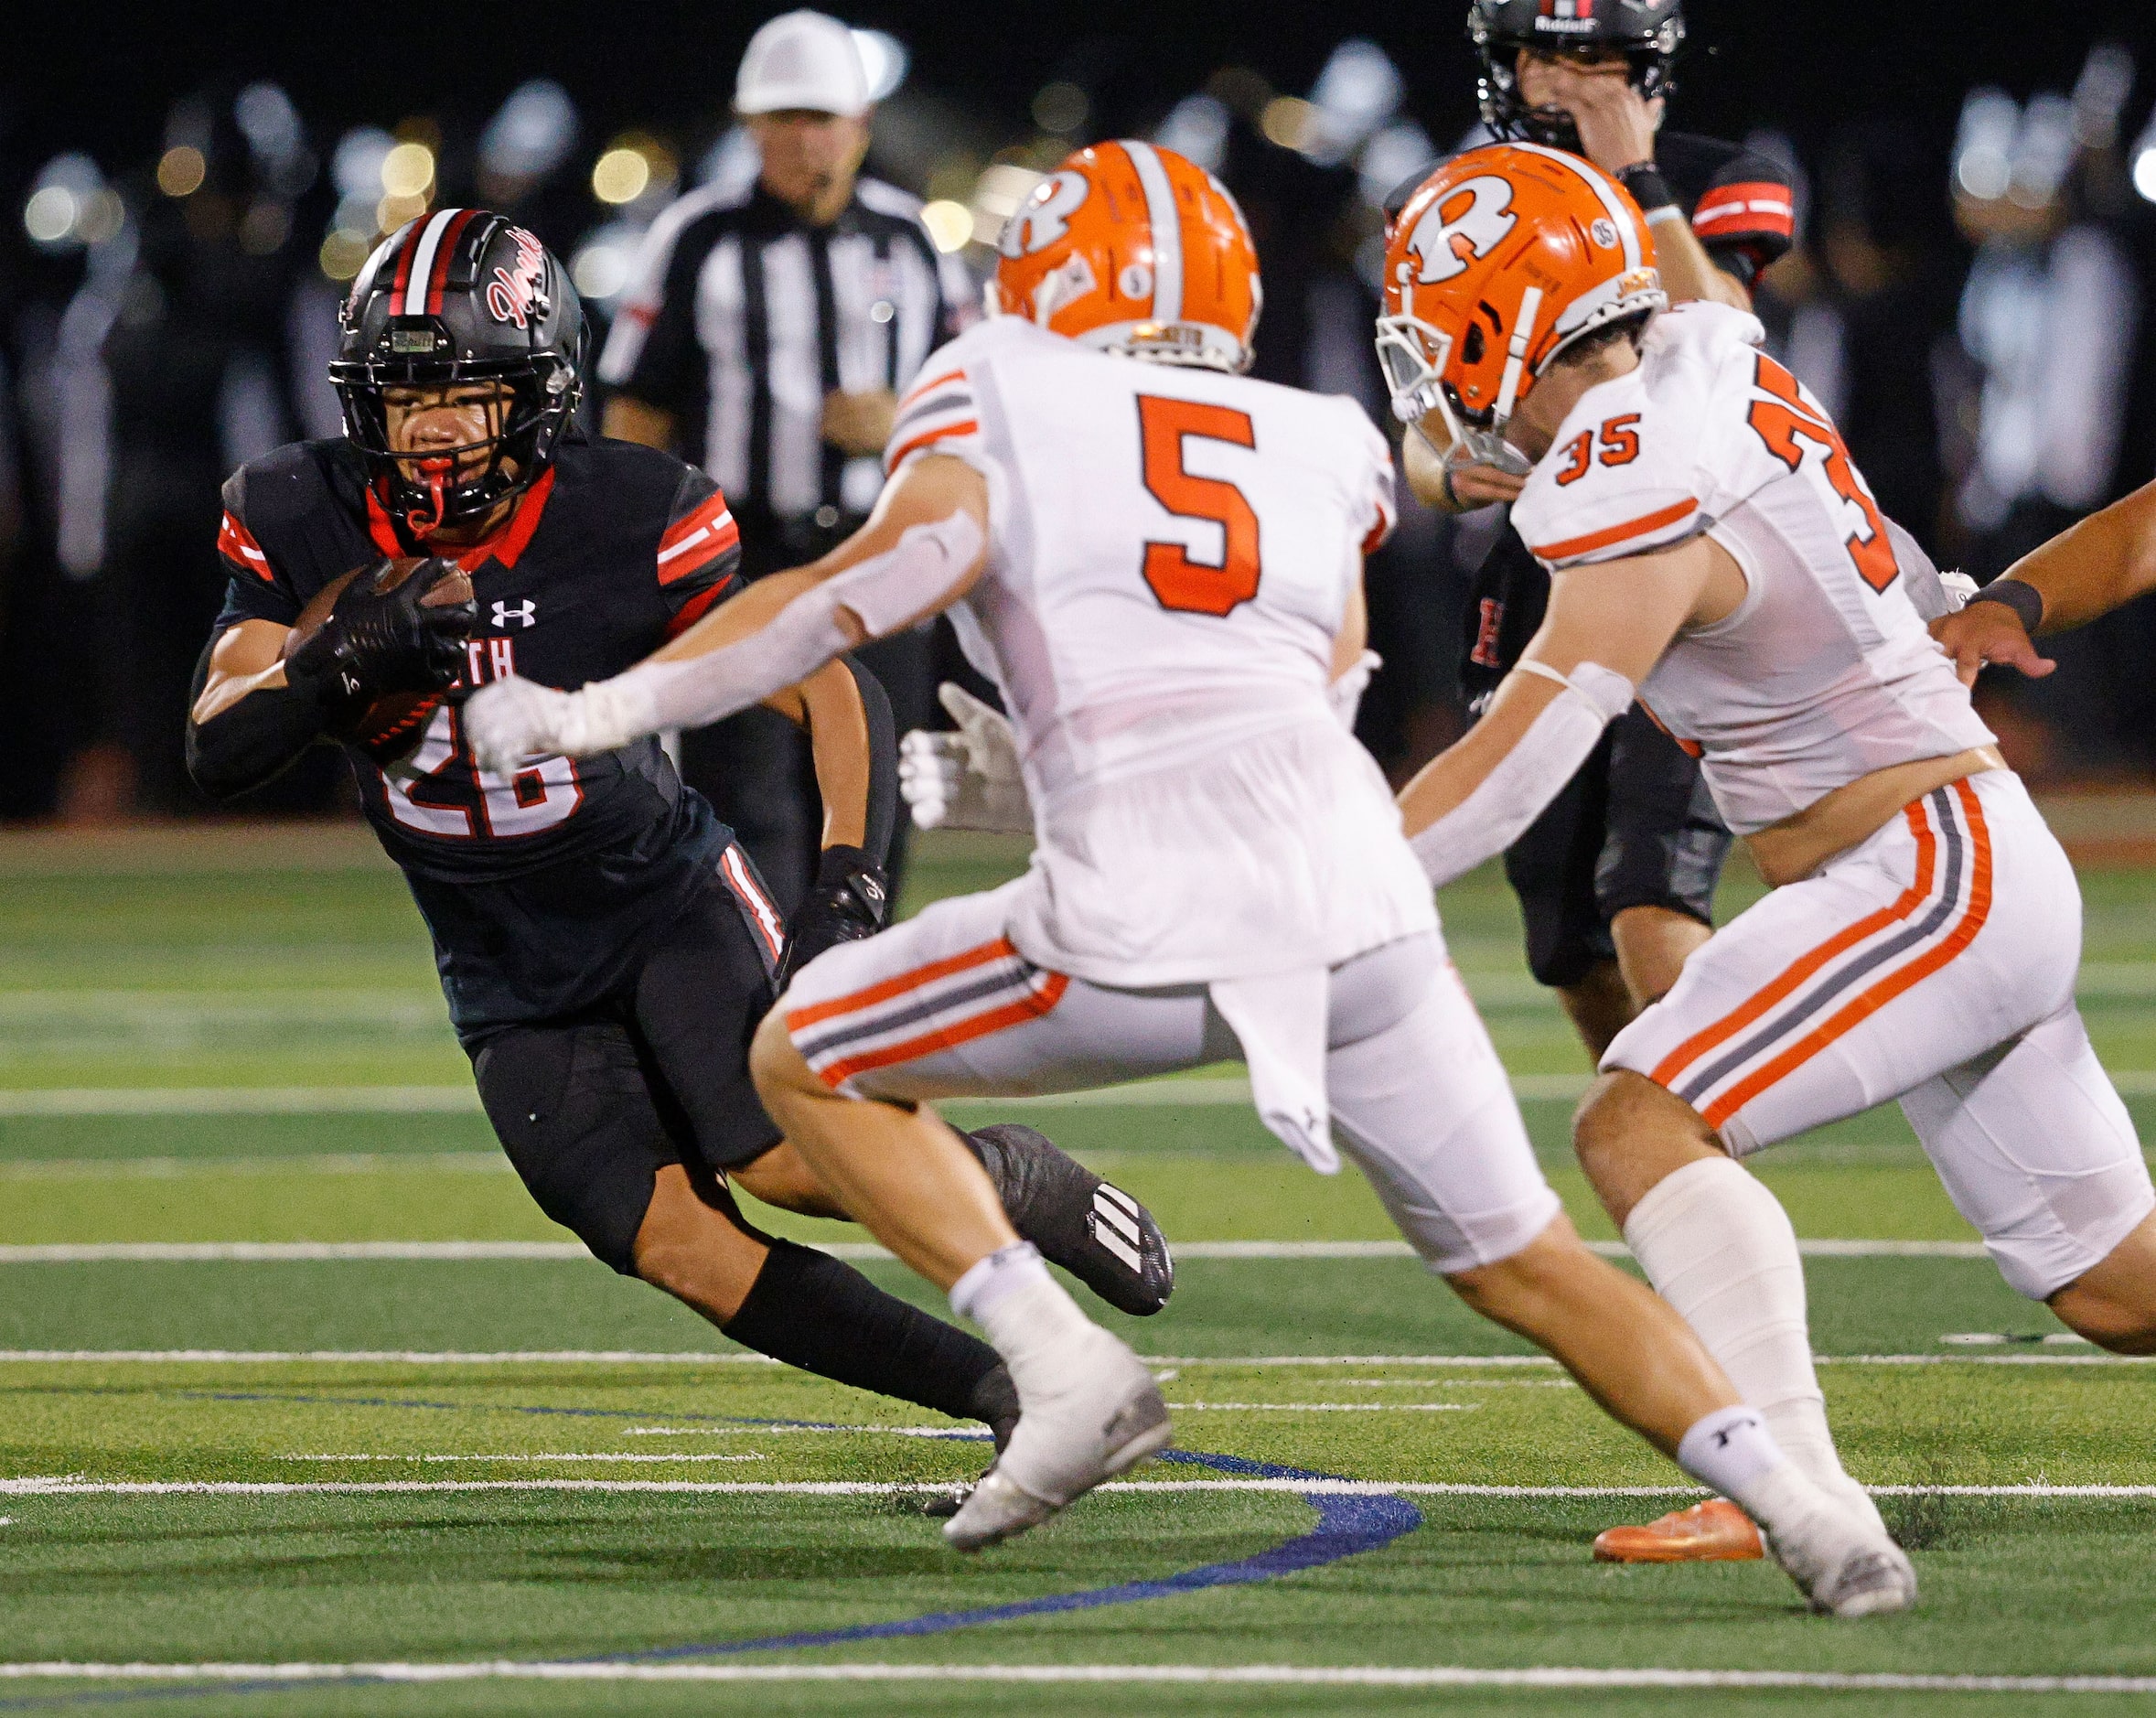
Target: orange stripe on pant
{"x":1672,"y":1066}
{"x":1031,"y":1006}
{"x":801,"y":1019}
{"x":1855,"y":1014}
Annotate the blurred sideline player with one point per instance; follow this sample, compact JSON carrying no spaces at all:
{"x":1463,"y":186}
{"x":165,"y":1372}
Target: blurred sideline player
{"x":1160,"y":560}
{"x":1616,"y":878}
{"x":1712,"y":547}
{"x":606,"y":949}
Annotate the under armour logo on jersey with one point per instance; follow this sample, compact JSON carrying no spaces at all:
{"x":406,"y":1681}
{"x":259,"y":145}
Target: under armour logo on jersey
{"x":524,"y":613}
{"x":1445,"y":244}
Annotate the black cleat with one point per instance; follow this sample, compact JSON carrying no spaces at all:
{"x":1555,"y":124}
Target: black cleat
{"x":1096,"y":1232}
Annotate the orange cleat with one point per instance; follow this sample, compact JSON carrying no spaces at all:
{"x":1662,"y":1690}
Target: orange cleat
{"x":1713,"y":1531}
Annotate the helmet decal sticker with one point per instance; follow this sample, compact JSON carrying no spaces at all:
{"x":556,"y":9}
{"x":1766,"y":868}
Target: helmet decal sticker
{"x":1045,"y":218}
{"x":514,"y":291}
{"x":1481,"y":226}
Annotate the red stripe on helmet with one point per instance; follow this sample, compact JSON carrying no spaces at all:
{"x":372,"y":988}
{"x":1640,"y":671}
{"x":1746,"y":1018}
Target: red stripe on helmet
{"x":405,"y":252}
{"x":439,"y":276}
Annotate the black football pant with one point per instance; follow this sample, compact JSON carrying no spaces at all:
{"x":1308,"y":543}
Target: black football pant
{"x":590,"y":1106}
{"x":1636,"y":827}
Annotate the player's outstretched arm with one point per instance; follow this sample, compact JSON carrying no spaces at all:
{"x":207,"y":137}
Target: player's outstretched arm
{"x":2087,"y":570}
{"x":921,"y":551}
{"x":851,"y":740}
{"x":1606,"y":626}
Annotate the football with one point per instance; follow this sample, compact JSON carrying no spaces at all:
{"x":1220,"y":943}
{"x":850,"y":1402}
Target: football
{"x":393,"y":723}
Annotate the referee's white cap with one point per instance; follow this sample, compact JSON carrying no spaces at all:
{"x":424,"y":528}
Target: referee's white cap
{"x":802,"y":59}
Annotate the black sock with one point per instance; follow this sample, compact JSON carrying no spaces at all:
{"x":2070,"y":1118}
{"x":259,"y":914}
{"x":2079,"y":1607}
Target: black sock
{"x":812,"y":1311}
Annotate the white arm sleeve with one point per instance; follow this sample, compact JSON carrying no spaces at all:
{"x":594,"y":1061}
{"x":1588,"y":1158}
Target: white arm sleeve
{"x":510,"y":720}
{"x":1527,"y":777}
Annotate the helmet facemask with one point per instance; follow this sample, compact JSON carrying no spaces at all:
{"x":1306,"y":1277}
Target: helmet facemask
{"x":1651,"y":62}
{"x":438,"y":490}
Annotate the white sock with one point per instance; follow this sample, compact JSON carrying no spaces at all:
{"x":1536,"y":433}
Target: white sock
{"x":1718,"y":1246}
{"x":1733,"y":1450}
{"x":1029,"y":1318}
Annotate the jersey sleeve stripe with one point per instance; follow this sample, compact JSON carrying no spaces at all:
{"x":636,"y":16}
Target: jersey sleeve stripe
{"x":967,"y":426}
{"x":927,"y":384}
{"x":1595,"y":540}
{"x":955,"y":399}
{"x":696,"y":553}
{"x":710,"y":514}
{"x":237,"y":543}
{"x":699,"y":604}
{"x":1762,"y":207}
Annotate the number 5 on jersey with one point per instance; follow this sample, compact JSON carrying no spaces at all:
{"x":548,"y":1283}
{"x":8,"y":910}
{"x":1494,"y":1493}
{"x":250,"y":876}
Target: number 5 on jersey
{"x":1176,"y":581}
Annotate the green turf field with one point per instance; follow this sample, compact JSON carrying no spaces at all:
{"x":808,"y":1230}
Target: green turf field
{"x":295,"y":1375}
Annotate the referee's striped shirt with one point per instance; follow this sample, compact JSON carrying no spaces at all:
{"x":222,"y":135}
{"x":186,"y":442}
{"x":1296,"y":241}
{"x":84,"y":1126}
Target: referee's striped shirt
{"x":740,"y":318}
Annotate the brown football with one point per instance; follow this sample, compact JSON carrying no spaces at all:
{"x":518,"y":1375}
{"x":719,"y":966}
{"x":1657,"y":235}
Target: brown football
{"x":393,"y":723}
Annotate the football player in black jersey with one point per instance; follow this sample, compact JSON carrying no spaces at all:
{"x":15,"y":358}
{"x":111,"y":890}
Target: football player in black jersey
{"x":605,"y":945}
{"x":1616,"y":879}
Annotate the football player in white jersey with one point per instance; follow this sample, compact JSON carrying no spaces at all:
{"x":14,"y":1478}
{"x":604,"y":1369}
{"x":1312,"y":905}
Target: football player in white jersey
{"x":1715,"y":551}
{"x":1160,"y":562}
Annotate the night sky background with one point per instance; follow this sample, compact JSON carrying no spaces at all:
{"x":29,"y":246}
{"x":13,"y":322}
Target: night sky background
{"x":101,"y":76}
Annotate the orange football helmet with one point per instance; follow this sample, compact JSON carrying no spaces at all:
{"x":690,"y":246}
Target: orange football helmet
{"x":1501,"y":259}
{"x":1129,"y":248}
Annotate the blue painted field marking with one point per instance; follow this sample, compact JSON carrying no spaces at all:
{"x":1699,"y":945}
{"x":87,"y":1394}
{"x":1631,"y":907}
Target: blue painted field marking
{"x":1347,"y":1527}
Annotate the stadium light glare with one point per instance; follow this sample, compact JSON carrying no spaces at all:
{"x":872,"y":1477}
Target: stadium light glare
{"x":49,"y":215}
{"x":599,"y":271}
{"x":407,"y":170}
{"x":949,"y":223}
{"x":181,"y":170}
{"x":344,"y":252}
{"x":620,"y":175}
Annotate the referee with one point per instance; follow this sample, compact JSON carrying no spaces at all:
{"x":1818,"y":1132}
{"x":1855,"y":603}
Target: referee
{"x":767,"y":336}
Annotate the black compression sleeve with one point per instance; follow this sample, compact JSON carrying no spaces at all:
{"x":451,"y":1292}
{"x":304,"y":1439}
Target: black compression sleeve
{"x":258,"y":738}
{"x":881,"y":822}
{"x":812,"y":1311}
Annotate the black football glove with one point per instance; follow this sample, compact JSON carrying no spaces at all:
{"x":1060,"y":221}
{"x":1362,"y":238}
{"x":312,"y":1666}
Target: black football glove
{"x":851,"y":900}
{"x":376,"y":642}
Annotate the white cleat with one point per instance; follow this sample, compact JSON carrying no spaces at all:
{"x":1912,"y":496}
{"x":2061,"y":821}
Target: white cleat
{"x":1103,"y":1422}
{"x":1846,"y":1568}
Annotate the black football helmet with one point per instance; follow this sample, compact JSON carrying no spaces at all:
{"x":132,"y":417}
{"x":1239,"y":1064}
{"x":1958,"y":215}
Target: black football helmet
{"x":460,"y":294}
{"x":1648,"y":32}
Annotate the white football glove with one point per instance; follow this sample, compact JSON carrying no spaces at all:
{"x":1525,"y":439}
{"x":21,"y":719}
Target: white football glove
{"x":969,"y":779}
{"x":1960,"y":588}
{"x":1345,"y":694}
{"x":514,"y":721}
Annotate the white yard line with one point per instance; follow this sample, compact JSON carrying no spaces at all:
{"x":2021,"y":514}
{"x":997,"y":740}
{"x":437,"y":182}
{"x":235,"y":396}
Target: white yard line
{"x":389,"y":1357}
{"x":1235,"y":1675}
{"x":602,"y":1455}
{"x":691,"y":1357}
{"x":291,"y":1164}
{"x":1324,"y":1407}
{"x":76,"y":1485}
{"x":1229,"y":1091}
{"x":242,"y":1100}
{"x":455,"y":1252}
